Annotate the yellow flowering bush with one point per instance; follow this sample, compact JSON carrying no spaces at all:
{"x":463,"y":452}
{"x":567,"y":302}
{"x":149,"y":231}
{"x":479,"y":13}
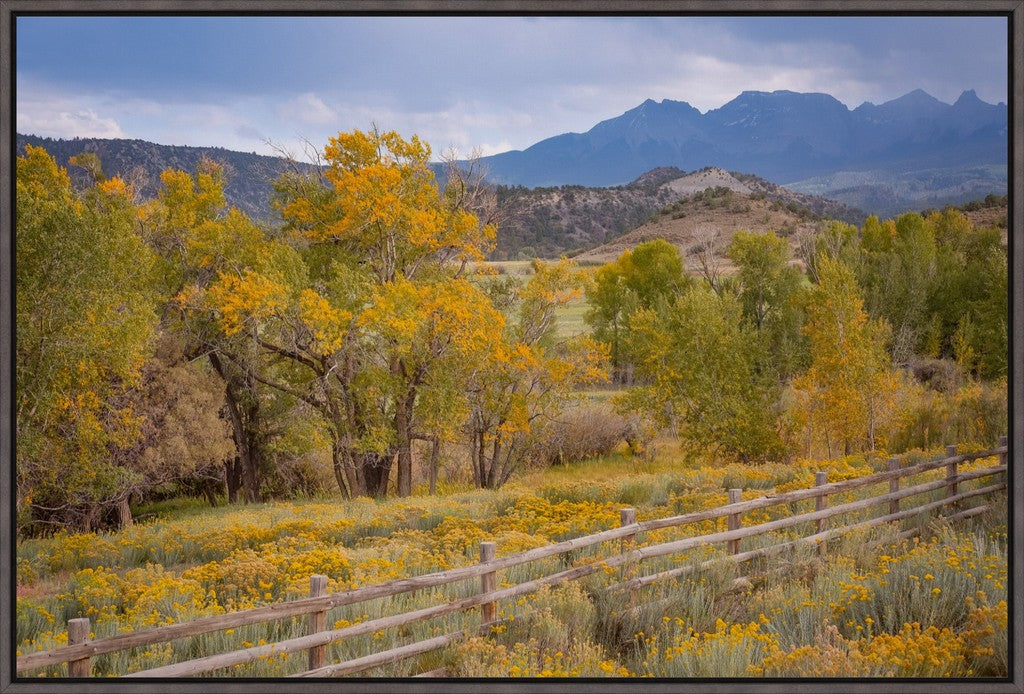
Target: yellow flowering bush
{"x":731,"y":650}
{"x":986,"y":636}
{"x":98,"y":594}
{"x":481,"y":657}
{"x":81,"y":550}
{"x":557,"y":520}
{"x":244,"y":578}
{"x":154,"y":597}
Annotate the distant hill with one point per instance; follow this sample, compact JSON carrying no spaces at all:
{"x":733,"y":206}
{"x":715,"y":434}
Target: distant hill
{"x":888,"y":193}
{"x":249,"y":175}
{"x":704,"y":221}
{"x":546,"y":222}
{"x":713,"y":206}
{"x":884,"y":158}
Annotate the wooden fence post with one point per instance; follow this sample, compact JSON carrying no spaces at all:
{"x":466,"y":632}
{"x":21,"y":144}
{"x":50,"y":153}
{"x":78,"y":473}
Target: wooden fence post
{"x":317,"y":621}
{"x":735,"y":519}
{"x":488,"y":582}
{"x":627,"y":516}
{"x":951,"y":471}
{"x":894,"y":486}
{"x":1004,"y":458}
{"x":820,"y":502}
{"x":78,"y":632}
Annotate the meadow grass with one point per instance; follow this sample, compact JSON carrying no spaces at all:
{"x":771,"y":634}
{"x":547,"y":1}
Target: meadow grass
{"x":184,"y":562}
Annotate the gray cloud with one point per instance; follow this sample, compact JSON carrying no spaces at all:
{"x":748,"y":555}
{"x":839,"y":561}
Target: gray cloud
{"x":469,"y":81}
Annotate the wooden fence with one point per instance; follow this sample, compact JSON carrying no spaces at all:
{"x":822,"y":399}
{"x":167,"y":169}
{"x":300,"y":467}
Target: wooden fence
{"x":81,"y":649}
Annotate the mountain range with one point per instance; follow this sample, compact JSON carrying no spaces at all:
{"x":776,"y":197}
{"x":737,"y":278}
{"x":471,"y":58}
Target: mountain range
{"x":903,"y":154}
{"x":575,"y":191}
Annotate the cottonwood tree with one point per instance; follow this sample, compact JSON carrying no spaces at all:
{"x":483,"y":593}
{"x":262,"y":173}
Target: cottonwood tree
{"x":706,"y":365}
{"x":898,"y":274}
{"x":643,"y":277}
{"x":381,"y":313}
{"x":970,"y":291}
{"x":848,"y":388}
{"x":833,"y":240}
{"x":769,"y":290}
{"x":199,"y":242}
{"x":85,"y":318}
{"x":529,"y":375}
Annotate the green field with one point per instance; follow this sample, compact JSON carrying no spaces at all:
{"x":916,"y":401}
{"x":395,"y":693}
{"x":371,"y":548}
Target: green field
{"x":570,"y":316}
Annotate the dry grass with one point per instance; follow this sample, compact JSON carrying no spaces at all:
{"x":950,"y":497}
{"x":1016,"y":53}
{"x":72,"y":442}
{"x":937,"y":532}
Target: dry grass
{"x":688,"y":232}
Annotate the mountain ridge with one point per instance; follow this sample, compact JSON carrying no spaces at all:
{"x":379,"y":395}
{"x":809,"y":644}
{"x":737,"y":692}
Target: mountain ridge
{"x":545,"y":222}
{"x":784,"y":136}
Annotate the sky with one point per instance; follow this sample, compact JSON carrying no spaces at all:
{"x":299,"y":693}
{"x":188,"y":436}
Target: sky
{"x":489,"y":84}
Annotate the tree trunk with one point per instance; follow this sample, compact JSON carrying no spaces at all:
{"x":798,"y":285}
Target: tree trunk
{"x":403,"y":433}
{"x":492,"y":471}
{"x":253,"y":461}
{"x":871,"y":428}
{"x":482,"y":459}
{"x":250,"y":469}
{"x":244,"y":467}
{"x":435,"y":457}
{"x":91,"y":520}
{"x":124,"y":512}
{"x":376,"y":470}
{"x":210,"y":492}
{"x":233,"y":478}
{"x":337,"y":458}
{"x":508,"y":466}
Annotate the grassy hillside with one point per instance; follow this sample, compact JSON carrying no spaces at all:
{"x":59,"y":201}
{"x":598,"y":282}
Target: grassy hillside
{"x":548,"y":222}
{"x":706,"y":220}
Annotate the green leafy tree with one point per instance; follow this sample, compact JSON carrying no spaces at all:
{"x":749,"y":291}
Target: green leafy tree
{"x":991,"y":317}
{"x":926,"y":275}
{"x":971,"y":284}
{"x":769,"y":290}
{"x":706,"y":366}
{"x":898,"y":278}
{"x":85,"y":318}
{"x":643,"y":277}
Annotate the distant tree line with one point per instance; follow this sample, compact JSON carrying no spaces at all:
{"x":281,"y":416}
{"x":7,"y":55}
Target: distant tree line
{"x":814,"y":352}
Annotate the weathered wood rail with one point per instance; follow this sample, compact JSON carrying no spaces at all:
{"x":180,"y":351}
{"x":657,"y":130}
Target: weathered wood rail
{"x":80,"y":649}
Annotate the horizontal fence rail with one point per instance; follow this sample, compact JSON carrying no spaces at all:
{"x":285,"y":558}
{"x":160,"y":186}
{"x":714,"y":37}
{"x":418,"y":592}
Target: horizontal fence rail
{"x":80,"y":650}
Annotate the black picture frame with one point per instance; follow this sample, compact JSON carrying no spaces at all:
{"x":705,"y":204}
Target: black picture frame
{"x":11,"y":9}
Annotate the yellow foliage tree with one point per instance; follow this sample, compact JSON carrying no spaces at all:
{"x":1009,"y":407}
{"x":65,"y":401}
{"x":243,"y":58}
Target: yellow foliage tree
{"x":529,"y":375}
{"x":849,"y":388}
{"x":223,"y":278}
{"x":85,"y":319}
{"x":378,"y":322}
